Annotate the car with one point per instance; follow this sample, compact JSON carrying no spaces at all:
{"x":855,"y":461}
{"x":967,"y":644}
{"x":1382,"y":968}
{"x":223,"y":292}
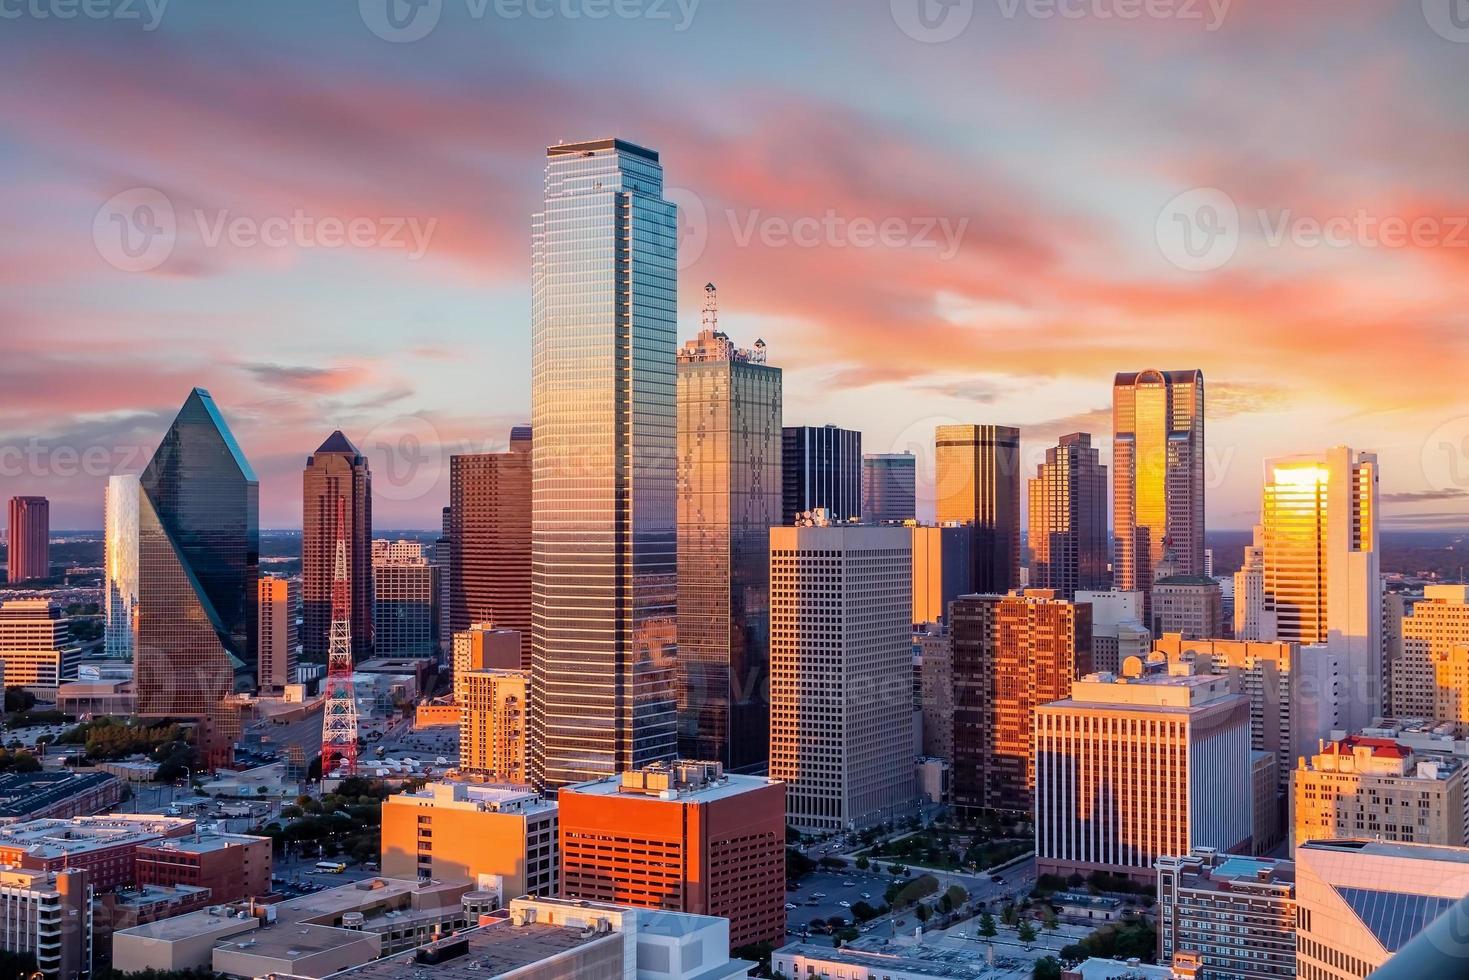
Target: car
{"x":818,"y":894}
{"x":845,"y":905}
{"x":811,"y":900}
{"x":997,"y":879}
{"x":790,"y":907}
{"x":866,"y":895}
{"x":849,"y":884}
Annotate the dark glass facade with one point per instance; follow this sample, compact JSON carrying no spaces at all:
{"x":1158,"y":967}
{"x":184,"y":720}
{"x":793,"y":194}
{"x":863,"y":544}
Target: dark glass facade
{"x":336,"y":471}
{"x":198,"y":567}
{"x":821,"y":467}
{"x":603,"y":314}
{"x":889,"y":488}
{"x":1068,"y":519}
{"x":977,"y":482}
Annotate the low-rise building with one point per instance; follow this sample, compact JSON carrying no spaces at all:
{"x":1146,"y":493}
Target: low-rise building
{"x":461,"y":831}
{"x":105,"y":847}
{"x":1377,"y":788}
{"x":49,"y":915}
{"x":231,"y":866}
{"x":56,"y":793}
{"x":1233,"y":917}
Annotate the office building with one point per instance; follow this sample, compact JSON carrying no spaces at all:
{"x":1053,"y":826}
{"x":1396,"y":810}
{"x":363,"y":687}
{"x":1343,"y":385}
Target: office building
{"x":1231,"y":917}
{"x":1117,"y":628}
{"x":889,"y":488}
{"x":1451,"y":689}
{"x":1189,"y":605}
{"x":442,"y":552}
{"x":604,"y":311}
{"x":1322,"y":583}
{"x":492,"y":717}
{"x":1011,"y":654}
{"x":277,"y":637}
{"x":943,"y":566}
{"x":1431,"y":629}
{"x":1157,"y":475}
{"x":405,"y":611}
{"x":120,"y":564}
{"x":977,"y":482}
{"x":841,"y":705}
{"x":1068,"y":519}
{"x":37,"y":651}
{"x":231,"y":866}
{"x":29,"y":555}
{"x":1362,"y":901}
{"x":934,"y":661}
{"x":489,"y":533}
{"x":105,"y":847}
{"x":336,"y":477}
{"x":198,"y":565}
{"x":482,"y":647}
{"x":48,"y":915}
{"x":57,"y":793}
{"x":1249,"y":591}
{"x":1184,"y":740}
{"x":1376,"y":788}
{"x":463,"y":831}
{"x":685,"y":837}
{"x":729,"y":495}
{"x":821,"y":467}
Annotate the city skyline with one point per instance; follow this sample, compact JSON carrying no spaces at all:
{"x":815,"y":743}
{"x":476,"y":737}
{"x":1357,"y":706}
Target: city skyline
{"x":885,"y":340}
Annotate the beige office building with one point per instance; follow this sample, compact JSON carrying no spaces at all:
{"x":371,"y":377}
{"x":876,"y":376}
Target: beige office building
{"x":460,"y":831}
{"x":1359,"y":902}
{"x":1129,"y":770}
{"x":492,"y":706}
{"x":1249,"y":591}
{"x":1380,"y":789}
{"x":36,"y":647}
{"x":276,"y":612}
{"x":841,"y":669}
{"x":1436,"y":624}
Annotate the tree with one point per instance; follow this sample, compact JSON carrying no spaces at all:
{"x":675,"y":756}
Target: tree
{"x":1047,"y":968}
{"x":987,"y":926}
{"x":18,"y":699}
{"x":1050,"y":921}
{"x":863,"y":864}
{"x":923,"y":912}
{"x":1026,"y":931}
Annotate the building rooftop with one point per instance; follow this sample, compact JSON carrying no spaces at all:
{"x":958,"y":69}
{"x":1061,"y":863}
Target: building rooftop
{"x":479,"y":796}
{"x":52,"y":838}
{"x":290,"y":941}
{"x":930,"y":961}
{"x":686,"y":781}
{"x":1393,"y":849}
{"x":215,"y":921}
{"x":24,"y":793}
{"x":488,"y":951}
{"x":205,"y":843}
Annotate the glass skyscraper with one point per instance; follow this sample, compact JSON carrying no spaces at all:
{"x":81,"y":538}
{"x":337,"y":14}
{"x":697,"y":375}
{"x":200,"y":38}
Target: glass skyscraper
{"x":337,"y":472}
{"x":889,"y":487}
{"x":729,"y":495}
{"x":1068,"y":519}
{"x":198,"y":567}
{"x":821,"y":467}
{"x":120,"y":557}
{"x":977,"y":482}
{"x":1158,"y":475}
{"x":603,"y":314}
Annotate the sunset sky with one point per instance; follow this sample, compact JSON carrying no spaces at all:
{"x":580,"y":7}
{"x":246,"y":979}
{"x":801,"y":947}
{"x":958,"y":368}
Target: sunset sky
{"x":1025,"y":173}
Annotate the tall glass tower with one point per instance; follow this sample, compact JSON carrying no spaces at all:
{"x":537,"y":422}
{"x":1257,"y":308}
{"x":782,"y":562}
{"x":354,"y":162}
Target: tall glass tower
{"x":603,"y":315}
{"x":729,"y":496}
{"x":120,"y":556}
{"x":198,"y":567}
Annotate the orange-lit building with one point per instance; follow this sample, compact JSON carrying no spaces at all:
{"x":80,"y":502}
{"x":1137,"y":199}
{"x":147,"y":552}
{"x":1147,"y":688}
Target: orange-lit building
{"x":105,"y":847}
{"x":492,"y":708}
{"x":1010,"y":654}
{"x":231,"y":866}
{"x":277,"y":633}
{"x":685,"y":836}
{"x":489,"y":535}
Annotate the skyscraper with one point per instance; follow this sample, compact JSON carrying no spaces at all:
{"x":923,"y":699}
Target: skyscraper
{"x":821,"y":466}
{"x":977,"y":482}
{"x":489,"y":536}
{"x":1322,"y":581}
{"x":120,"y":561}
{"x":1011,"y":654}
{"x":29,"y":556}
{"x":1068,"y":519}
{"x":405,"y":605}
{"x":1249,"y":590}
{"x":277,"y":637}
{"x":336,"y":471}
{"x":603,"y":312}
{"x":889,"y":487}
{"x":492,"y":723}
{"x":841,"y":674}
{"x":942,"y":568}
{"x":729,"y":495}
{"x":198,"y":565}
{"x":1157,"y":475}
{"x":1436,"y":624}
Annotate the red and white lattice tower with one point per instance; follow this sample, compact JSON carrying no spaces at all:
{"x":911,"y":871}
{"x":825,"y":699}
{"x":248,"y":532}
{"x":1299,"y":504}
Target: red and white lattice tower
{"x":339,"y":727}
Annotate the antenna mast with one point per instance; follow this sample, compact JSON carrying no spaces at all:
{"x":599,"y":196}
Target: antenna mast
{"x":339,"y":726}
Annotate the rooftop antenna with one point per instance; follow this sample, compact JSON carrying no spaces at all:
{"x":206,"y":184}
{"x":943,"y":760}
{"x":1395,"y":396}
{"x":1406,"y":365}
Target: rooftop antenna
{"x":710,"y":319}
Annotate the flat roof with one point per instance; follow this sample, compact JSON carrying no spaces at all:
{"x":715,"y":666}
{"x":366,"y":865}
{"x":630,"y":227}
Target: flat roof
{"x":291,"y":940}
{"x":205,"y":843}
{"x":733,"y":784}
{"x":190,"y":925}
{"x":494,"y":949}
{"x":1382,"y":848}
{"x":24,"y":793}
{"x":606,"y":143}
{"x":49,"y":837}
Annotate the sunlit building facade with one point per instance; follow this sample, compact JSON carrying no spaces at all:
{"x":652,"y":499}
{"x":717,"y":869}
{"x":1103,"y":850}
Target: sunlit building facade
{"x":604,"y":319}
{"x":977,"y":482}
{"x":1249,"y":591}
{"x":492,"y":718}
{"x":277,"y":634}
{"x":942,"y":568}
{"x":889,"y":488}
{"x":1068,"y":519}
{"x":729,"y":496}
{"x":29,"y":554}
{"x":1235,"y":916}
{"x":337,"y":473}
{"x":489,"y":531}
{"x":198,"y":566}
{"x":120,"y":563}
{"x":37,"y":651}
{"x":1157,"y":475}
{"x":1320,"y":518}
{"x":821,"y":466}
{"x":1435,"y":625}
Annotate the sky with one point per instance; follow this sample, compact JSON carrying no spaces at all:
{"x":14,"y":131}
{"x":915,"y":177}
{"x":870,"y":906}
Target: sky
{"x":932,"y":211}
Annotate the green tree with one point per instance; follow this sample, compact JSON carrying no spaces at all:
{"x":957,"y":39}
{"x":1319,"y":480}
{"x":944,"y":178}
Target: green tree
{"x":1026,"y":931}
{"x":923,"y":912}
{"x":1046,"y":968}
{"x":987,"y":926}
{"x":862,"y":863}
